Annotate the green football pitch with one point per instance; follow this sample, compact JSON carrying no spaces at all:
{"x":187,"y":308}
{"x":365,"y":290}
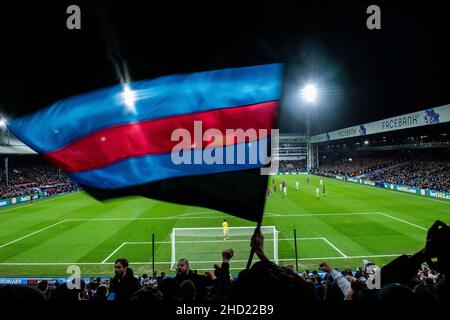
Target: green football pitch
{"x":351,"y":223}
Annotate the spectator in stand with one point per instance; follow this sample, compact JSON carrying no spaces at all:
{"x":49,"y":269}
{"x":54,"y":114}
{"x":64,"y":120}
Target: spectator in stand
{"x":124,"y":284}
{"x":419,"y":172}
{"x":185,"y":273}
{"x":102,"y":292}
{"x":292,"y":166}
{"x":26,"y":176}
{"x":43,"y":287}
{"x":266,"y":281}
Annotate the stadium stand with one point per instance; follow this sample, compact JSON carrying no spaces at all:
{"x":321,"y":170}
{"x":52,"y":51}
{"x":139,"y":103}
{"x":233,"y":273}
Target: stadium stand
{"x":429,"y":169}
{"x":292,"y":166}
{"x":29,"y":175}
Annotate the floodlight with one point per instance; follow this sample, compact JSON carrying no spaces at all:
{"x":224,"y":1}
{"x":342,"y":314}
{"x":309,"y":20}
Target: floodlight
{"x":129,"y":97}
{"x":309,"y":93}
{"x":3,"y":122}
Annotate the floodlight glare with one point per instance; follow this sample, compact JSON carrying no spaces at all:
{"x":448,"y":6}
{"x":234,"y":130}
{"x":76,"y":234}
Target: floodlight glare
{"x":3,"y":123}
{"x":129,"y":97}
{"x":366,"y":142}
{"x":309,"y":93}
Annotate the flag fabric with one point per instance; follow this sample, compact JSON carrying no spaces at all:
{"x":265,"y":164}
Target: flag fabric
{"x":166,"y":138}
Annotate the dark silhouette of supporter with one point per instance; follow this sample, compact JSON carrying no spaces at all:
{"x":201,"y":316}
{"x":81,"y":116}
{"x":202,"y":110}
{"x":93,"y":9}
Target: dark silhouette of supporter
{"x":67,"y":293}
{"x":185,"y":273}
{"x":20,"y":293}
{"x":43,"y":287}
{"x":188,"y":292}
{"x":266,"y":281}
{"x":404,"y":268}
{"x":160,"y":278}
{"x":101,"y":294}
{"x":124,"y":284}
{"x":148,"y":294}
{"x":169,"y":289}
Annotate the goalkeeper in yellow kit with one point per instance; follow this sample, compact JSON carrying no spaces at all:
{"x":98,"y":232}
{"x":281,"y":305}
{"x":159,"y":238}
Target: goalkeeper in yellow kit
{"x":225,"y":229}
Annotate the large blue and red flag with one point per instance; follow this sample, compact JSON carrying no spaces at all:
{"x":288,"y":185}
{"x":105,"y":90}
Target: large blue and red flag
{"x":169,"y":138}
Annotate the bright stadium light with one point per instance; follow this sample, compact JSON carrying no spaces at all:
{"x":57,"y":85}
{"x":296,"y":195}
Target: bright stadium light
{"x":3,"y":123}
{"x":129,"y":97}
{"x":309,"y":93}
{"x":366,"y":142}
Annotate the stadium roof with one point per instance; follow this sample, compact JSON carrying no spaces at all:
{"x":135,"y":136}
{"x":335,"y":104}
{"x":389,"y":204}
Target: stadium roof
{"x":10,"y":145}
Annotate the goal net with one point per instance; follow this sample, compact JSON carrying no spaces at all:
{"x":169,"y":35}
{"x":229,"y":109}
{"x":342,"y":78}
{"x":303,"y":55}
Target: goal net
{"x":202,"y":247}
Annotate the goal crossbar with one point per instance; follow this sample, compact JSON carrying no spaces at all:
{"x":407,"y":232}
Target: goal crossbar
{"x":217,"y":232}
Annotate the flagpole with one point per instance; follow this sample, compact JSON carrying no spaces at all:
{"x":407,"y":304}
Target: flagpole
{"x":252,"y":251}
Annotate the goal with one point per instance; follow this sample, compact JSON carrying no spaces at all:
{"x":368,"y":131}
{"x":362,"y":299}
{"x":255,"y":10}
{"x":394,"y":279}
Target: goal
{"x":202,"y":247}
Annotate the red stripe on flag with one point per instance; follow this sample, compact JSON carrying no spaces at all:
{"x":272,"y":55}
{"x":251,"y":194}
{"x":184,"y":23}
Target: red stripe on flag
{"x":117,"y":143}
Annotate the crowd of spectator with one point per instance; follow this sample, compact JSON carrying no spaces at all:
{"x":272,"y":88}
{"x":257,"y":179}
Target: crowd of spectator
{"x":26,"y":178}
{"x":424,"y":173}
{"x":352,"y":167}
{"x":291,"y":166}
{"x":418,"y":173}
{"x":405,"y":278}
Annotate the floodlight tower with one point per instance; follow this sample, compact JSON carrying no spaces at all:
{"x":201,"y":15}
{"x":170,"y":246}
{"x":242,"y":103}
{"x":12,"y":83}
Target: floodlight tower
{"x":308,"y":96}
{"x":4,"y":130}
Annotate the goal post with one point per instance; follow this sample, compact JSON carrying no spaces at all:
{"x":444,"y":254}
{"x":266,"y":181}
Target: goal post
{"x":202,"y":247}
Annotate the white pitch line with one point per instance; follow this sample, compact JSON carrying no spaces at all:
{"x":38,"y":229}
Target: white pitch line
{"x":347,"y":257}
{"x":113,"y":252}
{"x":334,"y":247}
{"x":208,"y":241}
{"x":394,"y":191}
{"x":412,"y":224}
{"x":178,"y":217}
{"x":417,"y":197}
{"x":216,"y":217}
{"x":271,"y":214}
{"x":139,"y":219}
{"x":197,"y":213}
{"x":31,"y":234}
{"x":192,"y":262}
{"x":325,"y":214}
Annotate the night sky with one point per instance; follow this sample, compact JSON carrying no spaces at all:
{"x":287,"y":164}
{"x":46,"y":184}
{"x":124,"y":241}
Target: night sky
{"x":364,"y":75}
